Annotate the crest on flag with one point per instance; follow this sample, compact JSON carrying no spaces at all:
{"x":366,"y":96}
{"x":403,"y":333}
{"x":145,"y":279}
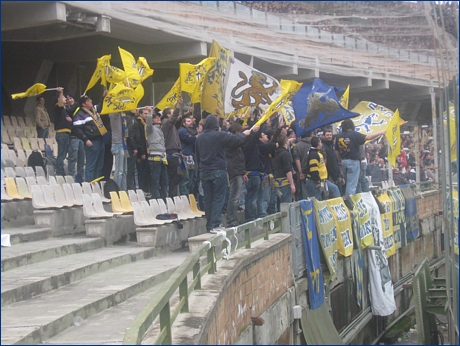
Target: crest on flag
{"x":143,"y":68}
{"x":288,"y":113}
{"x":121,"y":98}
{"x":192,"y":77}
{"x":248,"y":87}
{"x":171,"y":98}
{"x":130,"y":66}
{"x":394,"y":138}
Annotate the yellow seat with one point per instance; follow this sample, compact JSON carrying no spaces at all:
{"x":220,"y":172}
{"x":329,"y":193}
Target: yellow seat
{"x":116,"y":204}
{"x":11,"y":188}
{"x":124,"y":200}
{"x":25,"y":143}
{"x":23,"y":190}
{"x":193,"y":205}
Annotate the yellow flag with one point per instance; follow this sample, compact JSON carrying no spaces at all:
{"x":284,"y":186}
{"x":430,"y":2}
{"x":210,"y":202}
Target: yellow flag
{"x":99,"y":72}
{"x":130,"y":66}
{"x":288,"y":89}
{"x":143,"y":68}
{"x":288,"y":113}
{"x":191,"y":77}
{"x":452,"y":132}
{"x":345,"y":97}
{"x":34,"y":90}
{"x":393,"y":134}
{"x":239,"y":113}
{"x":120,"y":99}
{"x":213,"y":85}
{"x":114,"y":75}
{"x":170,"y":99}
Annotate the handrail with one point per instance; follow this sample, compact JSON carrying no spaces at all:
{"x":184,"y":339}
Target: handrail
{"x":159,"y":305}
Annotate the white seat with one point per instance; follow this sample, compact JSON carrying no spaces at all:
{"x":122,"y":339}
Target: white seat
{"x":139,"y":218}
{"x":52,"y":180}
{"x":69,"y":179}
{"x":69,"y":195}
{"x":10,"y":172}
{"x":23,"y":190}
{"x":140,"y":195}
{"x":38,"y":199}
{"x":29,"y":171}
{"x":88,"y":208}
{"x":41,"y":144}
{"x":187,"y":214}
{"x":14,"y":121}
{"x":50,"y":198}
{"x":171,"y":206}
{"x":34,"y":144}
{"x":30,"y":182}
{"x":77,"y":192}
{"x":21,"y":122}
{"x":86,"y":188}
{"x":59,"y":196}
{"x":5,"y":196}
{"x":50,"y":171}
{"x":42,"y":180}
{"x":60,"y":179}
{"x":97,"y":189}
{"x":19,"y":162}
{"x":162,"y":206}
{"x":156,"y":209}
{"x":132,"y":196}
{"x":21,"y":154}
{"x":20,"y":172}
{"x":40,"y":171}
{"x":186,"y":206}
{"x":149,"y":216}
{"x":99,"y":208}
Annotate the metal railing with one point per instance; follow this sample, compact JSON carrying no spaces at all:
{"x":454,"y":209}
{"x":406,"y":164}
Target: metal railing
{"x":160,"y":304}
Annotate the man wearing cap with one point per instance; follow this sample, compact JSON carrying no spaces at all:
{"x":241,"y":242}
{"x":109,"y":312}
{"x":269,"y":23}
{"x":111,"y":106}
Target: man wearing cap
{"x":89,"y":128}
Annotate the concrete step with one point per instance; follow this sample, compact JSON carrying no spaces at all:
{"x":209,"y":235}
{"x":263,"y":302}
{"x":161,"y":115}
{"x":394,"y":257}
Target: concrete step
{"x":27,"y":234}
{"x":28,"y":253}
{"x":26,"y":282}
{"x":42,"y":317}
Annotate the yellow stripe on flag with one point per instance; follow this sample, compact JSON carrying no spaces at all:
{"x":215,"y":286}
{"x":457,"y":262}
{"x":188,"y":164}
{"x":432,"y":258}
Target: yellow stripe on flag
{"x":345,"y":97}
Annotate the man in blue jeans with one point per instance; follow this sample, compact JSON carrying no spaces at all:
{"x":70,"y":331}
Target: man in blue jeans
{"x":347,"y":145}
{"x":210,"y":154}
{"x":63,"y":127}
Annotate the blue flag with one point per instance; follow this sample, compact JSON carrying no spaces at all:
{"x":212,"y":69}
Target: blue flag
{"x":316,"y":104}
{"x":312,"y":257}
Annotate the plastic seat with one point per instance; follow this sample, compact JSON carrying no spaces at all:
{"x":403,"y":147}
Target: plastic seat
{"x":186,"y":206}
{"x":42,"y":180}
{"x":139,"y":218}
{"x":132,"y":196}
{"x":14,"y":121}
{"x":77,"y":192}
{"x":20,"y":121}
{"x":52,"y":180}
{"x":50,"y":141}
{"x":59,"y":196}
{"x":50,"y":171}
{"x":4,"y":146}
{"x":162,"y":206}
{"x":23,"y":190}
{"x":69,"y":179}
{"x":194,"y":205}
{"x":25,"y":142}
{"x":30,"y":182}
{"x":34,"y":144}
{"x":88,"y":208}
{"x":69,"y":195}
{"x":19,"y":162}
{"x":6,"y":120}
{"x":48,"y":195}
{"x":149,"y":216}
{"x":21,"y":155}
{"x":60,"y":179}
{"x":20,"y":172}
{"x":140,"y":195}
{"x":155,"y":208}
{"x":86,"y":188}
{"x":97,"y":189}
{"x":41,"y":144}
{"x":6,"y":138}
{"x":116,"y":204}
{"x":8,"y":163}
{"x":11,"y":154}
{"x":29,"y":122}
{"x":10,"y":172}
{"x":11,"y":188}
{"x":183,"y":213}
{"x":97,"y":203}
{"x":17,"y":144}
{"x":39,"y":171}
{"x":5,"y":196}
{"x":124,"y":200}
{"x":38,"y":201}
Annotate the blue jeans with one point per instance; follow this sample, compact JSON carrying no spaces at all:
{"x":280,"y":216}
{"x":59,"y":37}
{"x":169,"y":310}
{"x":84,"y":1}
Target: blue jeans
{"x":76,"y":156}
{"x":158,"y":179}
{"x":351,"y":170}
{"x":286,"y":196}
{"x":63,"y":141}
{"x":273,"y":204}
{"x":214,"y":184}
{"x":263,"y":199}
{"x":42,"y":133}
{"x":313,"y":191}
{"x":236,"y":184}
{"x":131,"y":172}
{"x":187,"y":184}
{"x":121,"y":165}
{"x":363,"y":183}
{"x":250,"y":208}
{"x":143,"y":174}
{"x":94,"y":160}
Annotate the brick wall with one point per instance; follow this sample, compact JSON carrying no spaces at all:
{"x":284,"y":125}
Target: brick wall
{"x":430,"y":204}
{"x":256,"y":287}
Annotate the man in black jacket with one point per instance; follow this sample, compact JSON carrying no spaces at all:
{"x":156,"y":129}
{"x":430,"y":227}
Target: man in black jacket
{"x":63,"y":127}
{"x":332,"y":162}
{"x":210,"y":155}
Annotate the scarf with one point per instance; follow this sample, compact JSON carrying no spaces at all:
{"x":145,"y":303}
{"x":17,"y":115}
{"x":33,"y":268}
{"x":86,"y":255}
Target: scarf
{"x":124,"y":134}
{"x":145,"y":133}
{"x":97,"y":120}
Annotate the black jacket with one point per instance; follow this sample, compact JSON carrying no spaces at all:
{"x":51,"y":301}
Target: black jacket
{"x":332,"y":164}
{"x":251,"y":153}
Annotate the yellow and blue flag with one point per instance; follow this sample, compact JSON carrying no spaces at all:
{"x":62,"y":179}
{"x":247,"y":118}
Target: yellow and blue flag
{"x":170,"y":99}
{"x":316,"y":104}
{"x":393,"y":134}
{"x":192,"y":77}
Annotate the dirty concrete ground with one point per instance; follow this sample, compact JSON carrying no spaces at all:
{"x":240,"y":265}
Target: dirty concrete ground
{"x":411,"y":337}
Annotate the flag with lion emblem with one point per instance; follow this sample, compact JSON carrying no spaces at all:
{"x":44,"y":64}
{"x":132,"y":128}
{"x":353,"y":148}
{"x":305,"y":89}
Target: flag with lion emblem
{"x":317,"y":104}
{"x":247,"y":87}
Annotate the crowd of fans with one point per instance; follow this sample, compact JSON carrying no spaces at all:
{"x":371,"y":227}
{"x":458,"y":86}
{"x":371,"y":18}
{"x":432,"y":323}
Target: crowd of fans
{"x":393,"y":23}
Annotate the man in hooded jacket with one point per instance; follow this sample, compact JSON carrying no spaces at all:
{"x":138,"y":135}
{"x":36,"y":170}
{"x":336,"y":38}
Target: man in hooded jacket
{"x":210,"y":154}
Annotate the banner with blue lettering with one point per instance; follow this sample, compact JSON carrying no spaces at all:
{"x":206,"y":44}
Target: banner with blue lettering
{"x":327,"y":235}
{"x":343,"y":224}
{"x":399,"y":218}
{"x":381,"y":291}
{"x":386,"y":215}
{"x":365,"y":237}
{"x":312,"y":257}
{"x":357,"y":259}
{"x":411,"y":213}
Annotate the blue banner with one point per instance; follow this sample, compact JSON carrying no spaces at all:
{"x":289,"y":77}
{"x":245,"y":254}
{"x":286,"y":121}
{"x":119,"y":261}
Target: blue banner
{"x":316,"y":104}
{"x":411,"y":213}
{"x":312,"y":257}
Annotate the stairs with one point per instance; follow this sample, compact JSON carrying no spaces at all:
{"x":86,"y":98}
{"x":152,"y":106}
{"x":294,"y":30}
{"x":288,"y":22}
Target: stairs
{"x":73,"y":289}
